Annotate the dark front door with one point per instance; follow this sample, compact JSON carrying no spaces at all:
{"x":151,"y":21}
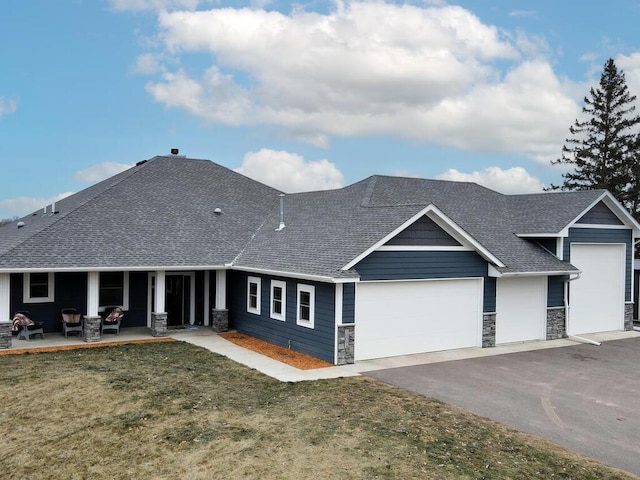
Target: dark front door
{"x":178,"y":300}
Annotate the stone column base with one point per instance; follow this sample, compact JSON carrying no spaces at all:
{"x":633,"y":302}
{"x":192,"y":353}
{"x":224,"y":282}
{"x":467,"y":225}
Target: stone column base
{"x":91,"y":329}
{"x":628,"y":316}
{"x":556,"y":323}
{"x":488,"y":330}
{"x":346,"y":344}
{"x":159,"y":325}
{"x":5,"y":334}
{"x":219,"y":320}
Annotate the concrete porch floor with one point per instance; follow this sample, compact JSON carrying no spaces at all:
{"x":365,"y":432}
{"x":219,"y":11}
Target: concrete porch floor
{"x":205,"y":338}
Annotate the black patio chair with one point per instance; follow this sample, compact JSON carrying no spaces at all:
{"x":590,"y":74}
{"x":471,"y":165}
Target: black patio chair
{"x":71,"y":321}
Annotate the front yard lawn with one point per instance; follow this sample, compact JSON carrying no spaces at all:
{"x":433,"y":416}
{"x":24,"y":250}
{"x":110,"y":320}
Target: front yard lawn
{"x":176,"y":411}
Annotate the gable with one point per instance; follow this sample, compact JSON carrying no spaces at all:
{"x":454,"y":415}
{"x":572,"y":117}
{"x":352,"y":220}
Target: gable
{"x":600,"y":214}
{"x":423,"y":232}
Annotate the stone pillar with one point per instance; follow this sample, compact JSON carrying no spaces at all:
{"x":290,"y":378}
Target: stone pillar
{"x":219,"y":320}
{"x":5,"y":334}
{"x":556,"y":323}
{"x":91,"y":329}
{"x":159,"y":325}
{"x":488,"y":330}
{"x":346,"y":344}
{"x":628,"y":316}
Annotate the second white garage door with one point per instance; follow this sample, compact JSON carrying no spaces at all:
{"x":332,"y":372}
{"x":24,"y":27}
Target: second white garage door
{"x":521,"y":309}
{"x":401,"y":318}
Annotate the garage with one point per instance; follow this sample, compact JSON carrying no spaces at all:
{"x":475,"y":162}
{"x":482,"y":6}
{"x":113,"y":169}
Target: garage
{"x":406,"y":317}
{"x":596,"y":299}
{"x":521,"y":306}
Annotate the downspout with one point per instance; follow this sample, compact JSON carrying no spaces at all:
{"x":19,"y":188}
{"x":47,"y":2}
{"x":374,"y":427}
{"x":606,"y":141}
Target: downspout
{"x":568,"y":313}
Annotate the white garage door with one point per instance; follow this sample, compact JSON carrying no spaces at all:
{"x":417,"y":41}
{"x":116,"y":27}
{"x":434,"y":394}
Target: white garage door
{"x":597,"y":297}
{"x":400,"y":318}
{"x":521,"y":309}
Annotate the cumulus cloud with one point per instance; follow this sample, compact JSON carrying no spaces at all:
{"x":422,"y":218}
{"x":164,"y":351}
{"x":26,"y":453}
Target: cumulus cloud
{"x":21,"y":206}
{"x":99,"y":172}
{"x":433,"y":73}
{"x":290,"y":172}
{"x":630,"y":65}
{"x":7,"y":106}
{"x":510,"y":181}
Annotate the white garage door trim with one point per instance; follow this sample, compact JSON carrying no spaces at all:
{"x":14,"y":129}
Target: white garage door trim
{"x":521,"y":309}
{"x":596,"y":299}
{"x":415,"y":316}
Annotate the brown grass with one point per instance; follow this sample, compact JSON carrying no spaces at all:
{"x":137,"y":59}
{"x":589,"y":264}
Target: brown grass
{"x":284,"y":355}
{"x":177,"y":411}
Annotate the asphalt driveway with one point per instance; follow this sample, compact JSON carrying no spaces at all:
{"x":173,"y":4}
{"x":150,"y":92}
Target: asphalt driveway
{"x":583,"y":397}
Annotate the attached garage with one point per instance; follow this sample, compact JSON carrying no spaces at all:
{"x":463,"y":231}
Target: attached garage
{"x":596,"y":299}
{"x":406,"y":317}
{"x":521,"y":306}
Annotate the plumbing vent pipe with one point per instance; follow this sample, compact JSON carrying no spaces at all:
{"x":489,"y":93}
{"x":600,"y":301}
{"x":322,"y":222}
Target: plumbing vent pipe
{"x":281,"y":226}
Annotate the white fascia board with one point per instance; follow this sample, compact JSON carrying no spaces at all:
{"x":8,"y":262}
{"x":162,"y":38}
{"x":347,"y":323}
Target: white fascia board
{"x":443,"y":222}
{"x":537,"y":235}
{"x":300,"y":276}
{"x":493,"y":272}
{"x":616,"y":208}
{"x":173,"y":268}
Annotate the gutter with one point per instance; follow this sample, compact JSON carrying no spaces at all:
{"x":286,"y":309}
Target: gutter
{"x":568,"y":314}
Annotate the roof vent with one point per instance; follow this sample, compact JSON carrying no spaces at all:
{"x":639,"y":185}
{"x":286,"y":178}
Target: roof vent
{"x":217,"y":211}
{"x":281,"y":226}
{"x":175,"y":151}
{"x":20,"y":224}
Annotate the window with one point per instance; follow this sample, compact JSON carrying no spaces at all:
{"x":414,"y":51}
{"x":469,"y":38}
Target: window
{"x":278,"y":300}
{"x":253,"y":295}
{"x":38,"y":287}
{"x":306,"y":305}
{"x":114,"y":289}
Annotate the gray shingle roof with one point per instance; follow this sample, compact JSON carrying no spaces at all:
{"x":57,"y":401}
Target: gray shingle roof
{"x":161,"y":214}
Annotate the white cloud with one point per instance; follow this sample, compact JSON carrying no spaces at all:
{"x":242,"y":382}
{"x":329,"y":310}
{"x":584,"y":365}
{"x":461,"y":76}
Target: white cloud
{"x":139,"y":5}
{"x":290,"y":172}
{"x":7,"y":106}
{"x":630,"y":65}
{"x":433,"y":74}
{"x":512,"y":180}
{"x":99,"y":172}
{"x":21,"y":206}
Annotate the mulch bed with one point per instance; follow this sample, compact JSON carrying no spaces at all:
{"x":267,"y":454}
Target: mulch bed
{"x":284,"y":355}
{"x":16,"y":351}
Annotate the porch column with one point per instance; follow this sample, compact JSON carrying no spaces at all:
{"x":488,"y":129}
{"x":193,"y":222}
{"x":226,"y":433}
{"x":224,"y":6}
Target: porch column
{"x":158,"y":315}
{"x":220,"y":314}
{"x":91,"y":327}
{"x":5,"y":312}
{"x":206,"y":300}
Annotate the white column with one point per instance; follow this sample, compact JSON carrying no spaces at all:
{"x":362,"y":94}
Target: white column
{"x":161,"y":286}
{"x":207,"y":300}
{"x":338,"y":303}
{"x":93,"y":293}
{"x":5,"y":297}
{"x":221,"y":289}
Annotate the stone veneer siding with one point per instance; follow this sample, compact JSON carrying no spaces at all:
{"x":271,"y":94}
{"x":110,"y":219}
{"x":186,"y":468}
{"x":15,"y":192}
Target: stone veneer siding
{"x":628,"y":316}
{"x":91,"y":329}
{"x":488,"y":330}
{"x":556,"y":323}
{"x":219,"y":320}
{"x":5,"y":334}
{"x":159,"y":325}
{"x":346,"y":342}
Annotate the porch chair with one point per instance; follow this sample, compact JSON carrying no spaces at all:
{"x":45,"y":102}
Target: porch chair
{"x":112,"y":319}
{"x":71,"y":321}
{"x":25,"y":326}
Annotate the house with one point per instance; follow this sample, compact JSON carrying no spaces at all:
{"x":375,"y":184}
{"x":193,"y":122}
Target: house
{"x":383,"y":267}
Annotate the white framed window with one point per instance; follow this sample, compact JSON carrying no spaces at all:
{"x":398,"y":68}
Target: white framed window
{"x":306,"y":305}
{"x":114,"y":290}
{"x":253,"y":295}
{"x":278,"y":300}
{"x":38,"y":287}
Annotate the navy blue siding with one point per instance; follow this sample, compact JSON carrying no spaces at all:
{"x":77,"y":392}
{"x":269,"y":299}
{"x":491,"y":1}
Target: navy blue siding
{"x":349,"y":303}
{"x":422,"y":265}
{"x":423,"y":232}
{"x":604,"y":235}
{"x":555,"y":291}
{"x":600,"y":214}
{"x":136,"y":315}
{"x":318,"y":341}
{"x":547,"y":243}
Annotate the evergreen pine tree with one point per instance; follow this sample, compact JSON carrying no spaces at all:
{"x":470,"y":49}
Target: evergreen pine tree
{"x":604,"y":148}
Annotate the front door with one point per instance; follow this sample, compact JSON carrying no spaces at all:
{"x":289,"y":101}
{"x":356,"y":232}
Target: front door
{"x":178,"y":300}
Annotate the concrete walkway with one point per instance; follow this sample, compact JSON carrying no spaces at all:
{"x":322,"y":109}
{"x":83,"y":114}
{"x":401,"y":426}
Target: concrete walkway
{"x":204,"y":337}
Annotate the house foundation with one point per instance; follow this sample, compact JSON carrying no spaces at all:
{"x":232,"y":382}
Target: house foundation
{"x":5,"y":334}
{"x":91,"y":329}
{"x":159,"y":325}
{"x":556,"y":323}
{"x":346,"y":344}
{"x":219,"y":320}
{"x":628,"y":316}
{"x":488,"y":330}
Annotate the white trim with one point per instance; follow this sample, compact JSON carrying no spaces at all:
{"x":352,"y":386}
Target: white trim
{"x":423,"y":248}
{"x":493,"y":272}
{"x":206,"y":300}
{"x":311,"y":290}
{"x":173,"y":268}
{"x":26,"y":298}
{"x":221,"y":289}
{"x":338,"y":293}
{"x":125,"y":291}
{"x":258,"y":281}
{"x":616,"y":208}
{"x":5,"y":297}
{"x":160,"y":292}
{"x":537,"y":235}
{"x":93,"y":294}
{"x":443,"y":222}
{"x":282,"y":316}
{"x":296,"y":275}
{"x":601,"y":226}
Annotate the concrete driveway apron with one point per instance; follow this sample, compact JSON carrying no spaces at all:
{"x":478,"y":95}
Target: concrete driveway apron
{"x":583,"y":397}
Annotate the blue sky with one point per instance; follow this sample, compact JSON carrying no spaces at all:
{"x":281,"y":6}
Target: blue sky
{"x":301,"y":95}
